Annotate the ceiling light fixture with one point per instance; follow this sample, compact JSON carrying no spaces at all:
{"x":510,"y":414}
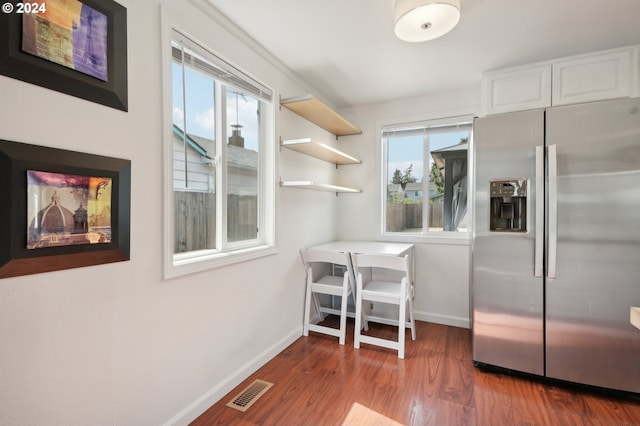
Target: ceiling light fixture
{"x":422,"y":20}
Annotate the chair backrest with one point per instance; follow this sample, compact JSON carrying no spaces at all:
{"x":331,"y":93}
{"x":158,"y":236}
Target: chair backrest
{"x":336,"y":258}
{"x":385,"y":261}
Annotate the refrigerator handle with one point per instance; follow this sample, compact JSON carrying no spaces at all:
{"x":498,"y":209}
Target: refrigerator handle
{"x":539,"y":188}
{"x":553,"y":211}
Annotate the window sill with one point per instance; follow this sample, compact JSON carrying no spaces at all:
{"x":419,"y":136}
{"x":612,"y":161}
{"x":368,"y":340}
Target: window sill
{"x":452,"y":238}
{"x":184,"y":264}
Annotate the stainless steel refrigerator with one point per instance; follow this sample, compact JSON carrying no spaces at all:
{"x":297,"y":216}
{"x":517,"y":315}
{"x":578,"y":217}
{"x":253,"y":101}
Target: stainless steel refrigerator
{"x":556,"y":243}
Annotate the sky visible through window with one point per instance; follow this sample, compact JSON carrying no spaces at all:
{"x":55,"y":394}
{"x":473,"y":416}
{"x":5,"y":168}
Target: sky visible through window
{"x":408,"y":150}
{"x":201,"y":114}
{"x":241,"y":109}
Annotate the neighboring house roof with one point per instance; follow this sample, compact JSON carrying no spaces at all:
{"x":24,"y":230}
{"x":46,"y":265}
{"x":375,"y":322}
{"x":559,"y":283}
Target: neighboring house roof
{"x":413,"y":186}
{"x":238,"y":157}
{"x":458,"y":150}
{"x":242,"y":157}
{"x":191,"y":141}
{"x":394,"y":187}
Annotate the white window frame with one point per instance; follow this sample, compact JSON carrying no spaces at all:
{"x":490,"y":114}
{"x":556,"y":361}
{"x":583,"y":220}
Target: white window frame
{"x":445,"y":237}
{"x":196,"y":261}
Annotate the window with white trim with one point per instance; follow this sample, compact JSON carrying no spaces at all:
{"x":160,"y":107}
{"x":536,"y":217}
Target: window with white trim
{"x":425,"y":166}
{"x":221,"y":161}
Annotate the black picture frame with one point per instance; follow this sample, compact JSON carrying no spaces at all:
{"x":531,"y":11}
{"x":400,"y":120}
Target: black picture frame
{"x":15,"y":159}
{"x":32,"y":69}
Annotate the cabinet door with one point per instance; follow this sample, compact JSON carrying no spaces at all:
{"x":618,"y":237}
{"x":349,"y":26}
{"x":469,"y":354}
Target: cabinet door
{"x":592,"y":78}
{"x":516,"y":89}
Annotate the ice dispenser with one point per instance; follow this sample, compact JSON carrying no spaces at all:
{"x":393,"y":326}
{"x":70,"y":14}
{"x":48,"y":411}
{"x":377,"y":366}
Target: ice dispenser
{"x":508,"y":205}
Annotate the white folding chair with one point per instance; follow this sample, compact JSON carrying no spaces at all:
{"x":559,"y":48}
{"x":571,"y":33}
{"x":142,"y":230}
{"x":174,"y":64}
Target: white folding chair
{"x":321,"y":279}
{"x":385,"y":290}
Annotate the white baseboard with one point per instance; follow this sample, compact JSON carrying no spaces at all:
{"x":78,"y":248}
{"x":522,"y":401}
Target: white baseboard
{"x":203,"y":403}
{"x":442,"y":319}
{"x":200,"y":405}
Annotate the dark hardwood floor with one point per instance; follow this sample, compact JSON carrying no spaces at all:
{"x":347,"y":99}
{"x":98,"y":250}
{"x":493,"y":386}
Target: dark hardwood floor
{"x":318,"y":382}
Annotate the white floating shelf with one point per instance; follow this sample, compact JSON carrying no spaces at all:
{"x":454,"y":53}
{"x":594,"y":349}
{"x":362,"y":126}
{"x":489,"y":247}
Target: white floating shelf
{"x":307,"y":184}
{"x":319,"y":150}
{"x":317,"y":112}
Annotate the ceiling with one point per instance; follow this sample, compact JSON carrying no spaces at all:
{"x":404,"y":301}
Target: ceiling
{"x":346,"y":49}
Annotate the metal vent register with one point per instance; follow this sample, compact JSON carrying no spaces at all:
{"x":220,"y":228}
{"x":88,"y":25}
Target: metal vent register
{"x":250,"y":395}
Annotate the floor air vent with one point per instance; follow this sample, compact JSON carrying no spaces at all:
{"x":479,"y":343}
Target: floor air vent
{"x":250,"y":395}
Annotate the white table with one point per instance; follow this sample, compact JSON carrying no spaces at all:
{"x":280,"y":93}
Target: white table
{"x":367,"y":247}
{"x":371,"y":247}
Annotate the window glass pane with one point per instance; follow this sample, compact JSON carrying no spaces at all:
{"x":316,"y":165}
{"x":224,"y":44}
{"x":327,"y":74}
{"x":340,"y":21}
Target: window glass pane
{"x":426,"y":178}
{"x":193,"y":152}
{"x":448,"y":181}
{"x":243,"y":128}
{"x":404,"y":199}
{"x":220,"y":160}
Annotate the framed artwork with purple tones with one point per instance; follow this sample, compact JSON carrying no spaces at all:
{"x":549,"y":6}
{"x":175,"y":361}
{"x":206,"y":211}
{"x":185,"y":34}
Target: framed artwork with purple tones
{"x":61,"y":209}
{"x":77,"y":47}
{"x":65,"y":209}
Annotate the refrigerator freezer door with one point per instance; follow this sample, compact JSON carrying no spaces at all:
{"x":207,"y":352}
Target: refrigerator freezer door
{"x":588,"y":335}
{"x":507,"y":298}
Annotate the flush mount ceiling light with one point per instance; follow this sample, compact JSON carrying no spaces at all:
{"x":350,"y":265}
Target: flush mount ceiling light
{"x":422,"y":20}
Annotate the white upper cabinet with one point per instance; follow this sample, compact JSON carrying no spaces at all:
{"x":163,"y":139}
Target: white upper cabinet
{"x":517,"y":89}
{"x":585,"y":78}
{"x":592,"y":78}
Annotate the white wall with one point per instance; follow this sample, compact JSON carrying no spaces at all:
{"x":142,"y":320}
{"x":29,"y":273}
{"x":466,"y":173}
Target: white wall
{"x":117,"y":344}
{"x":442,"y":267}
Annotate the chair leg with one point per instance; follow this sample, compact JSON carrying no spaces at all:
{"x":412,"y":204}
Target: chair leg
{"x":343,"y":314}
{"x":307,"y":311}
{"x":358,"y":324}
{"x":412,"y":320}
{"x":402,"y":320}
{"x":364,"y":323}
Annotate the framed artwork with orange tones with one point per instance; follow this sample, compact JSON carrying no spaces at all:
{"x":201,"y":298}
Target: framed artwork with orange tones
{"x":61,"y":209}
{"x":78,"y":47}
